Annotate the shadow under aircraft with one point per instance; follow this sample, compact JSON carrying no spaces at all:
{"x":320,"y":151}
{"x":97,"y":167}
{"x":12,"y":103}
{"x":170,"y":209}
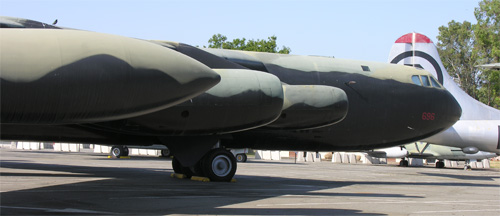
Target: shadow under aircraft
{"x":67,"y":85}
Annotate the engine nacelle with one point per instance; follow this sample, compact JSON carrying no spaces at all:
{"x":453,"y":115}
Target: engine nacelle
{"x":244,"y":99}
{"x":72,"y":77}
{"x":311,"y":106}
{"x":470,"y":150}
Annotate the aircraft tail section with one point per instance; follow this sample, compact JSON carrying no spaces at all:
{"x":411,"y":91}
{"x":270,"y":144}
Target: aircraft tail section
{"x":415,"y":49}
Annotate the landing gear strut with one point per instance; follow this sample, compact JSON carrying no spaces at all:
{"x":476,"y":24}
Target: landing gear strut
{"x":467,"y":165}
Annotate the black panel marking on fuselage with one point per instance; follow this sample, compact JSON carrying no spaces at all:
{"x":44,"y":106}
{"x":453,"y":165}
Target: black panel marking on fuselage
{"x":424,"y":55}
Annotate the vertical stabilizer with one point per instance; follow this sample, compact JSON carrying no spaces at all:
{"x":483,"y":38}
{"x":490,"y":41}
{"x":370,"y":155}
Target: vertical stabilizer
{"x":414,"y":49}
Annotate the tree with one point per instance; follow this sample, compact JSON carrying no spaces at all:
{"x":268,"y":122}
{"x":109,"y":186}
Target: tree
{"x":220,"y":42}
{"x":465,"y":46}
{"x":487,"y":31}
{"x":456,"y":48}
{"x":217,"y":41}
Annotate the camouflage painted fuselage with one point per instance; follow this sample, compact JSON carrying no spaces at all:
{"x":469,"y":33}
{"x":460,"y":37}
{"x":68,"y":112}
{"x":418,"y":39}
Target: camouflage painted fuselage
{"x":385,"y":107}
{"x":108,"y":95}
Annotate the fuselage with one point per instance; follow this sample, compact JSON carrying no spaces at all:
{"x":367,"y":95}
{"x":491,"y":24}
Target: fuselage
{"x":385,"y":107}
{"x":371,"y":105}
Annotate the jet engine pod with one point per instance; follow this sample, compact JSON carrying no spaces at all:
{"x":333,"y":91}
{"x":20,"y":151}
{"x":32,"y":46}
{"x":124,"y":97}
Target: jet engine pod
{"x":311,"y":106}
{"x":244,"y":99}
{"x":56,"y":76}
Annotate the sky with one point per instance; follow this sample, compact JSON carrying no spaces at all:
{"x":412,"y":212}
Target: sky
{"x":351,"y":29}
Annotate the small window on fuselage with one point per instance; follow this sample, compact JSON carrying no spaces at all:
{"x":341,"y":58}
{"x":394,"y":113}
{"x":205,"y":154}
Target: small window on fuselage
{"x":425,"y":81}
{"x":416,"y":80}
{"x":435,"y":83}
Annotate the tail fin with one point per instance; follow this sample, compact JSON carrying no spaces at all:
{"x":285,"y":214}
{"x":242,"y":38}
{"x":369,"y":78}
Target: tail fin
{"x":415,"y":49}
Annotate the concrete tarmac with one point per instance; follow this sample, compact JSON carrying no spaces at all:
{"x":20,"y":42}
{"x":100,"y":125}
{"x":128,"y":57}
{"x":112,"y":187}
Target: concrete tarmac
{"x":62,"y":183}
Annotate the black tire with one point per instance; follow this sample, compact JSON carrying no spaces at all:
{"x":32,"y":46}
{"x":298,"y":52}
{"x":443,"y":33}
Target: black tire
{"x":176,"y":166}
{"x":188,"y":172}
{"x":241,"y":158}
{"x":117,"y":151}
{"x":125,"y":151}
{"x":165,"y":152}
{"x":219,"y":165}
{"x":197,"y":170}
{"x":439,"y":164}
{"x":403,"y":163}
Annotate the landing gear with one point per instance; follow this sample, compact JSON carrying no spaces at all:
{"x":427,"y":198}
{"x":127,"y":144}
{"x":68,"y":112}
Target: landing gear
{"x":119,"y":151}
{"x":165,"y":152}
{"x":176,"y":165}
{"x":202,"y":156}
{"x":188,"y":171}
{"x":467,"y":165}
{"x":241,"y":157}
{"x":218,"y":165}
{"x":403,"y":162}
{"x":439,"y":164}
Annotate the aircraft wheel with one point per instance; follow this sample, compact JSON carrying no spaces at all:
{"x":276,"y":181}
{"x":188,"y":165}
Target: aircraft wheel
{"x":219,"y":165}
{"x":125,"y":151}
{"x":197,"y":170}
{"x":165,"y":152}
{"x":176,"y":166}
{"x":118,"y":151}
{"x":188,"y":171}
{"x":403,"y":163}
{"x":241,"y":158}
{"x":439,"y":164}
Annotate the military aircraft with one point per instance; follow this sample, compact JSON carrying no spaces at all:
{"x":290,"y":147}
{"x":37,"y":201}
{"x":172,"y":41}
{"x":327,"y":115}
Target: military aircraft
{"x":479,"y":126}
{"x":424,"y":150}
{"x":162,"y":92}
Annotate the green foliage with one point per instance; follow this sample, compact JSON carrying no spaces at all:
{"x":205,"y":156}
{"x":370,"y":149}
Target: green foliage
{"x":489,"y":93}
{"x":465,"y":46}
{"x":487,"y":31}
{"x":220,"y":42}
{"x":456,"y":48}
